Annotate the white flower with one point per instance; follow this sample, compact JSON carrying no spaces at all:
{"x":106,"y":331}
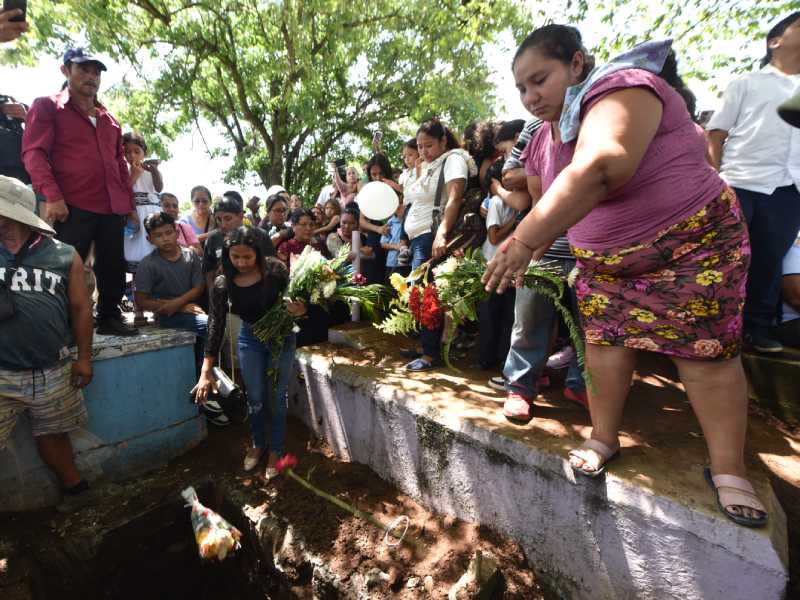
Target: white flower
{"x":446,"y":267}
{"x":328,"y":289}
{"x":573,"y":275}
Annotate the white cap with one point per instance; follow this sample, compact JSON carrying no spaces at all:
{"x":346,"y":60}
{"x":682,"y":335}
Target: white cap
{"x":18,"y":202}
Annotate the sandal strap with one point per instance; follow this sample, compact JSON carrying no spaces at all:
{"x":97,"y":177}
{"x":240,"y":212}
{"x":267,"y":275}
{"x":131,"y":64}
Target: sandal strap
{"x":591,"y":450}
{"x":736,"y":491}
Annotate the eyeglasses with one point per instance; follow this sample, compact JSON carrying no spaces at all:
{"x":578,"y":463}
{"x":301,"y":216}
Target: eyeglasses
{"x":168,"y":205}
{"x":201,"y":201}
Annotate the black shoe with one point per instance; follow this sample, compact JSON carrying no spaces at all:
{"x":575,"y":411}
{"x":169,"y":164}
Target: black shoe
{"x":115,"y":326}
{"x":763,"y":343}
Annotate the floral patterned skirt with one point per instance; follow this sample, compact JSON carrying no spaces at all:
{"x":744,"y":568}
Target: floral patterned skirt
{"x":681,"y":294}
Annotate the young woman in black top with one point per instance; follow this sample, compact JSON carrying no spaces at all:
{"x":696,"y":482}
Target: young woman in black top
{"x":250,"y":286}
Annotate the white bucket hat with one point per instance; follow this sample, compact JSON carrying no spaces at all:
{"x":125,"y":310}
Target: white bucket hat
{"x":18,"y":202}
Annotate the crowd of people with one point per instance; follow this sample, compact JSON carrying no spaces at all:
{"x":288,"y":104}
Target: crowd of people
{"x":681,"y":241}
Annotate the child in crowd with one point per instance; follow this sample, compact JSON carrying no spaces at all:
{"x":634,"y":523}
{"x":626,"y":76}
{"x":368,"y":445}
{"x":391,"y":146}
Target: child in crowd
{"x":496,"y":315}
{"x":187,"y":238}
{"x":348,"y":189}
{"x":333,"y":211}
{"x":146,"y":181}
{"x":395,"y":246}
{"x":169,"y":280}
{"x":412,"y":162}
{"x":319,"y":215}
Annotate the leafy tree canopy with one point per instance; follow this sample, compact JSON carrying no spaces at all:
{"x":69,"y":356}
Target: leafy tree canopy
{"x":292,"y":83}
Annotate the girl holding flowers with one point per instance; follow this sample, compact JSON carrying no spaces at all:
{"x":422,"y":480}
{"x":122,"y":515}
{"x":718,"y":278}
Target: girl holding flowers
{"x":654,"y":230}
{"x":251,"y":285}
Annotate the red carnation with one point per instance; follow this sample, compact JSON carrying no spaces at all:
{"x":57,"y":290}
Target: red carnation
{"x":414,"y":303}
{"x":287,"y":461}
{"x":431,"y":316}
{"x":359,"y":279}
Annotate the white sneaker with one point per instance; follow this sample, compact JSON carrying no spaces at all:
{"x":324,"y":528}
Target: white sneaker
{"x":561,"y":359}
{"x":252,"y":458}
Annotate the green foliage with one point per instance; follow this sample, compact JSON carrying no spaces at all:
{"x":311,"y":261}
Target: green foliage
{"x":292,"y":84}
{"x":711,"y":37}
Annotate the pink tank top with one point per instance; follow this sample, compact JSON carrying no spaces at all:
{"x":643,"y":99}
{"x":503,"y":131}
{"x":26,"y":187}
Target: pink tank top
{"x":673,"y":181}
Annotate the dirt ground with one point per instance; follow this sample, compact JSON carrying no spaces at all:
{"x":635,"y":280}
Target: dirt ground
{"x":44,"y":550}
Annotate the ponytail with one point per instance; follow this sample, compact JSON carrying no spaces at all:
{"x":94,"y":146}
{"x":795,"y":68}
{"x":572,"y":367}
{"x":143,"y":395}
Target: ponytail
{"x":435,"y":129}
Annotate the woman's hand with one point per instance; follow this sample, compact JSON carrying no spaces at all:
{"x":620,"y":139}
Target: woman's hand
{"x":296,"y":308}
{"x":508,"y":266}
{"x":203,"y":387}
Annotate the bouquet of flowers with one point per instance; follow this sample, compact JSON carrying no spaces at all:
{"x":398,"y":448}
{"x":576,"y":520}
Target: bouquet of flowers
{"x":452,"y":292}
{"x":216,"y":538}
{"x":316,"y":280}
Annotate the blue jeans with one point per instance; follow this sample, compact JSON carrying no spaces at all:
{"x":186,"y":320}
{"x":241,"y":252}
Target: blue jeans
{"x":254,"y":360}
{"x":772,"y":222}
{"x":421,"y":249}
{"x":197,"y":324}
{"x":535,"y":319}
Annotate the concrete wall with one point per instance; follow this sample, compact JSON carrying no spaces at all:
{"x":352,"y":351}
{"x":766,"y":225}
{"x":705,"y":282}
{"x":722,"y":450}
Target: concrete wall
{"x":140,"y":416}
{"x":596,"y":539}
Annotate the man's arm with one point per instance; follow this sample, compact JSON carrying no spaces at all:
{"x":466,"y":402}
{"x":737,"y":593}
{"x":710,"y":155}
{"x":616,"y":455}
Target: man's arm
{"x":80,"y":309}
{"x":38,"y":140}
{"x":167,"y":307}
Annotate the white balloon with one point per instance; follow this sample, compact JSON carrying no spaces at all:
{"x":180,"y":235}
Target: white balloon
{"x":377,"y":201}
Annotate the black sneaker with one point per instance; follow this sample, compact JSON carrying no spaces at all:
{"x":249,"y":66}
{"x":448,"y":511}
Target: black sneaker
{"x":498,"y":383}
{"x":763,"y":343}
{"x":115,"y":326}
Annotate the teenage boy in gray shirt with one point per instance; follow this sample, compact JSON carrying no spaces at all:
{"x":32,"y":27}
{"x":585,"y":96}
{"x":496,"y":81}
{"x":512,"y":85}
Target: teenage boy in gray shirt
{"x":169,"y":280}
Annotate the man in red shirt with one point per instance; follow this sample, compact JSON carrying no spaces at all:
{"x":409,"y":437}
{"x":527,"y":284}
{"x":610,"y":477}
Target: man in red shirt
{"x":72,"y":149}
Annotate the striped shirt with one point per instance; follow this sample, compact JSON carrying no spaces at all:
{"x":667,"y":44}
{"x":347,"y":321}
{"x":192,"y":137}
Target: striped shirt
{"x":560,"y":248}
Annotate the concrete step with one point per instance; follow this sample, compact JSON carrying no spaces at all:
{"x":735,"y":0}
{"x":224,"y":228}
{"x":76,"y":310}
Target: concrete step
{"x":649,"y":528}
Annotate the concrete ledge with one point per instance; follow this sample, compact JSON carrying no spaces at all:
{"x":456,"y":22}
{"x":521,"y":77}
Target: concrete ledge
{"x":648,"y":529}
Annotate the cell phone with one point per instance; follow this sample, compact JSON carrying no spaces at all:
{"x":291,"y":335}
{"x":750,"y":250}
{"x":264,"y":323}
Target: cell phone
{"x":340,"y":166}
{"x":20,"y":4}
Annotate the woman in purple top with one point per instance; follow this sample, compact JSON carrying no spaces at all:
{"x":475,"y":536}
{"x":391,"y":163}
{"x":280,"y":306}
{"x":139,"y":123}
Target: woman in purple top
{"x":661,"y":245}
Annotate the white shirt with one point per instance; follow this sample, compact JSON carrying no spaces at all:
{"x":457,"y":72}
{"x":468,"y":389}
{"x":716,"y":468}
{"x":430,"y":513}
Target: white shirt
{"x":422,"y":191}
{"x":499,"y":214}
{"x":791,"y":266}
{"x":405,"y":180}
{"x":762,"y":151}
